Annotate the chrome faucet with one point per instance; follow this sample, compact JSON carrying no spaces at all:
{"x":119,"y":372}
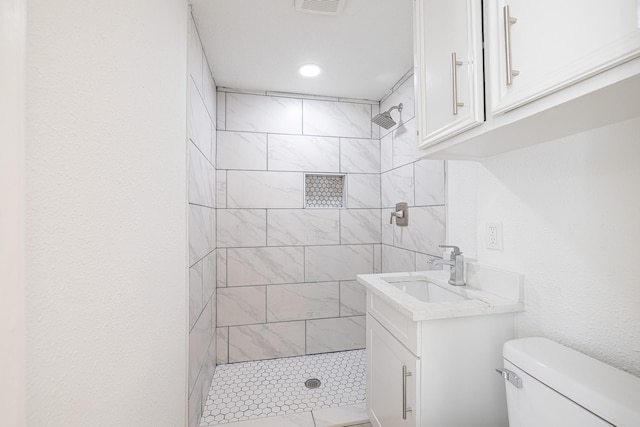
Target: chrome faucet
{"x":456,"y":261}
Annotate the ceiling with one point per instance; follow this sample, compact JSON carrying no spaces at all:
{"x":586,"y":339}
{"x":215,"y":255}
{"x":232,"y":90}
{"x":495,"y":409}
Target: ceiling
{"x":260,"y":44}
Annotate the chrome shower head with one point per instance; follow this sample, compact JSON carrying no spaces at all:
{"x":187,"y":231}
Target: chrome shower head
{"x":384,"y":119}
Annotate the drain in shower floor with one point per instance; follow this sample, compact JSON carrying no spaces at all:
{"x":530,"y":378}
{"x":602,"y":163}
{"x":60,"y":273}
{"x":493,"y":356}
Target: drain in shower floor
{"x":312,"y":383}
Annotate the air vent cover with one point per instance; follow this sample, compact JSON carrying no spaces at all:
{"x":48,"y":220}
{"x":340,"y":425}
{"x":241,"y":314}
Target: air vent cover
{"x":324,"y":7}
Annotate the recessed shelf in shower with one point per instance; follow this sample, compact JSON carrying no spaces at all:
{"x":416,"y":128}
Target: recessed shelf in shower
{"x":324,"y":191}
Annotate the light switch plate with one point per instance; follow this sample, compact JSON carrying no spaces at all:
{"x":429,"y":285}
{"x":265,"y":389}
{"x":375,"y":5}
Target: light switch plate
{"x":494,"y":235}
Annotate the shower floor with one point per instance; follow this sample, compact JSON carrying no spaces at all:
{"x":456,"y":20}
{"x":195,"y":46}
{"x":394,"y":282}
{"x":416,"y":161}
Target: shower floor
{"x":264,"y":388}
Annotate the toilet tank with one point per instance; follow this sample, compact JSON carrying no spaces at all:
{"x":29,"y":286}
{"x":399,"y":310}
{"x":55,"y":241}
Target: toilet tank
{"x":559,"y":386}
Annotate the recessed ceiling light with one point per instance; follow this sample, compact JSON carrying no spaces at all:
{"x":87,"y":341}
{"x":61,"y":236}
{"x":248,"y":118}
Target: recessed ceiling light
{"x":309,"y":70}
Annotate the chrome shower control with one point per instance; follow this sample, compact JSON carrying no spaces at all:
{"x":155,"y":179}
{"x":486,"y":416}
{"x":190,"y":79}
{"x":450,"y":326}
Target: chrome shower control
{"x":401,"y":213}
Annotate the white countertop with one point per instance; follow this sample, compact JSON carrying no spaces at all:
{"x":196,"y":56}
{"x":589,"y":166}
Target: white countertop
{"x":480,"y":300}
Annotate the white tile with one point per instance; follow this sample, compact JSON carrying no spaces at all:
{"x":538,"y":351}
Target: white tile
{"x":242,"y":227}
{"x":202,"y":222}
{"x":291,"y":227}
{"x":242,"y":150}
{"x":375,"y":129}
{"x":266,"y":341}
{"x":209,"y":90}
{"x":249,"y":189}
{"x":255,"y":113}
{"x":304,"y":153}
{"x":243,"y":305}
{"x":222,"y":345}
{"x":344,"y":333}
{"x":201,"y":178}
{"x":359,"y":226}
{"x":199,"y":121}
{"x":377,"y":259}
{"x":302,"y":301}
{"x":303,"y":419}
{"x":405,"y":95}
{"x":199,"y":339}
{"x":221,"y":268}
{"x":430,"y":178}
{"x":395,"y":260}
{"x":386,"y":153}
{"x":341,"y":119}
{"x":353,"y":299}
{"x":425,"y":232}
{"x":195,"y":405}
{"x":359,"y":155}
{"x":397,"y":186}
{"x":195,"y":293}
{"x":387,"y":227}
{"x":195,"y":55}
{"x":221,"y":189}
{"x":209,"y":275}
{"x":341,"y":416}
{"x":221,"y":108}
{"x":344,"y":262}
{"x":363,"y":191}
{"x":405,"y":144}
{"x":263,"y":266}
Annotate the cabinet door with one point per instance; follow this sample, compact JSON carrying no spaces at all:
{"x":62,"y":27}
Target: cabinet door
{"x":392,"y":372}
{"x":552,"y":44}
{"x":449,"y":67}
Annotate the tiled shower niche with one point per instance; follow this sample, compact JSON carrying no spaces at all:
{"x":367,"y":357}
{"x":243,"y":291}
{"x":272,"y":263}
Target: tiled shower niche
{"x":324,"y":191}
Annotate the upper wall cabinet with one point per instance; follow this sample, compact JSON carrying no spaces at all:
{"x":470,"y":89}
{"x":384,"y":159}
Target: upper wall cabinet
{"x":551,"y":69}
{"x":449,"y":68}
{"x":539,"y":47}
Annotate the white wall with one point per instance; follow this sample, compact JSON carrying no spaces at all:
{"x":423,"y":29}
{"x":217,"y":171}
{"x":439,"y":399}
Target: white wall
{"x":12,"y":342}
{"x":106,"y":196}
{"x":570,"y":211}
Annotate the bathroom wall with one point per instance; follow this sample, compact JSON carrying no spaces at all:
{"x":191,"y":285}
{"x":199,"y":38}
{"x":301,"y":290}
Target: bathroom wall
{"x":286,"y":274}
{"x":202,"y":226}
{"x":105,"y":213}
{"x":569,"y":210}
{"x":419,"y":183}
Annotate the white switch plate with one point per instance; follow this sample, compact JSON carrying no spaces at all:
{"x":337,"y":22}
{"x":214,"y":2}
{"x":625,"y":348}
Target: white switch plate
{"x":494,"y":235}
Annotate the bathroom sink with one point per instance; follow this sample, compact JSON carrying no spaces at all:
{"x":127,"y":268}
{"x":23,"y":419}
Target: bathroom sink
{"x":425,"y":291}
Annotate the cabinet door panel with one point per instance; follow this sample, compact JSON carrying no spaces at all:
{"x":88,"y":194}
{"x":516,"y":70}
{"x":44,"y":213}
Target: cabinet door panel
{"x":386,"y":358}
{"x":444,"y":27}
{"x":555,"y":44}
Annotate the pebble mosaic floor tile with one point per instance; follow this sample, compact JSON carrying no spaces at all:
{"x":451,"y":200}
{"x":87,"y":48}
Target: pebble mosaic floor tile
{"x":249,"y":390}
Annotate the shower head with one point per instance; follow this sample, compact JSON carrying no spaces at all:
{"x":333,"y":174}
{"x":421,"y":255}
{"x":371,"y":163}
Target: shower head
{"x":384,"y":119}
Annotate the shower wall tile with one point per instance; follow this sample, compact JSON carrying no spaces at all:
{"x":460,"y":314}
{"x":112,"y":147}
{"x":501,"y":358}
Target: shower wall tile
{"x":387,"y":228}
{"x":395,"y":260}
{"x":202,"y":222}
{"x":221,"y":189}
{"x":209,"y":90}
{"x":242,"y":227}
{"x":302,"y":301}
{"x":397,"y":186}
{"x":222,"y":345}
{"x":196,"y":303}
{"x":199,"y":340}
{"x":292,"y":227}
{"x":375,"y":129}
{"x":221,"y":268}
{"x":430,"y":178}
{"x":386,"y":153}
{"x":405,"y":143}
{"x":353,"y":299}
{"x":201,"y":178}
{"x":262,"y":266}
{"x":363,"y":191}
{"x":209,"y":274}
{"x":248,"y":189}
{"x":360,"y":155}
{"x":359,"y":226}
{"x":377,"y":259}
{"x":196,"y":55}
{"x":343,"y":119}
{"x":266,"y":341}
{"x":344,"y":262}
{"x":221,"y":107}
{"x":340,"y":334}
{"x":304,"y":153}
{"x":425,"y":232}
{"x":256,"y":113}
{"x":199,"y":121}
{"x":242,"y":150}
{"x":242,"y":305}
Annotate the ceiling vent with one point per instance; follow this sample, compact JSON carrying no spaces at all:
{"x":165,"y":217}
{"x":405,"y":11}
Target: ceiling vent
{"x":324,"y":7}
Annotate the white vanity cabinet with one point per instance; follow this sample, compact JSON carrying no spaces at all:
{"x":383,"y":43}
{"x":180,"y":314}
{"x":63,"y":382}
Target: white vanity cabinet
{"x":449,"y":68}
{"x":539,"y":47}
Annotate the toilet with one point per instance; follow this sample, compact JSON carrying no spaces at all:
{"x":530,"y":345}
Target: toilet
{"x":548,"y":384}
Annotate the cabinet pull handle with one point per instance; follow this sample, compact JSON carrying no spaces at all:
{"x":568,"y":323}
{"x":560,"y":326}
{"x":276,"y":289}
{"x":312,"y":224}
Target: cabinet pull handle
{"x":508,"y":21}
{"x":405,"y":374}
{"x":454,"y":77}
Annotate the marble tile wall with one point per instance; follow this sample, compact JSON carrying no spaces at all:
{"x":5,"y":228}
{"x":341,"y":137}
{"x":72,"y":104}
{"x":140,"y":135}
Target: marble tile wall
{"x":420,"y":183}
{"x":286,"y":273}
{"x":202,"y":227}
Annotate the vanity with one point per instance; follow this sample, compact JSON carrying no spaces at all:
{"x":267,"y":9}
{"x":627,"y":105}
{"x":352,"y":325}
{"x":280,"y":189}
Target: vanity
{"x":432,"y":348}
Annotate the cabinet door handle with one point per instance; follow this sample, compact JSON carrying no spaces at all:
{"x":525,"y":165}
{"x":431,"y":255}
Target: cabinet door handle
{"x":508,"y":21}
{"x":405,"y":374}
{"x":454,"y":77}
